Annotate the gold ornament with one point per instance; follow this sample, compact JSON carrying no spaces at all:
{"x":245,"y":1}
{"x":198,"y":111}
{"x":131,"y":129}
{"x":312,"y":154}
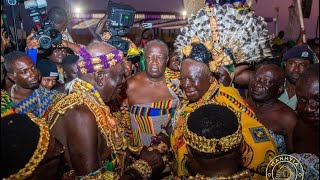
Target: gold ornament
{"x":38,"y":154}
{"x":213,"y":145}
{"x":185,"y":51}
{"x":246,"y":174}
{"x":82,"y":94}
{"x":142,"y":167}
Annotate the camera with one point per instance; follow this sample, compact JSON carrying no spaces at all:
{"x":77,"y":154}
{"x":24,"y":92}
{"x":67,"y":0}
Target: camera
{"x":45,"y":32}
{"x":120,"y":20}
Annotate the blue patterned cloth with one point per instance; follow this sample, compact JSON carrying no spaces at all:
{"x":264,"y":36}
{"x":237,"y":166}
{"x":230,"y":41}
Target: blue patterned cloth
{"x":280,"y":142}
{"x":310,"y":163}
{"x":38,"y":103}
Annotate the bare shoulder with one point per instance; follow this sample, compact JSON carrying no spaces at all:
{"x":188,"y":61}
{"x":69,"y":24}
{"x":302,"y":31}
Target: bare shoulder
{"x":135,"y":81}
{"x":288,"y":116}
{"x":78,"y":117}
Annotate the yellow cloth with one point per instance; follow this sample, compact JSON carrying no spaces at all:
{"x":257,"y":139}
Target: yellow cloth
{"x":258,"y":148}
{"x":277,"y":41}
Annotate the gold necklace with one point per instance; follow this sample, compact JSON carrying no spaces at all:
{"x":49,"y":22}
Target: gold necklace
{"x":242,"y":175}
{"x":84,"y":93}
{"x":107,"y":123}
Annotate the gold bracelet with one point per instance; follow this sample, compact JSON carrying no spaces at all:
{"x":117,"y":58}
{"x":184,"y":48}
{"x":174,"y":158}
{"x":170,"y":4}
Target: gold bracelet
{"x":162,"y":148}
{"x":135,"y":150}
{"x":142,"y":167}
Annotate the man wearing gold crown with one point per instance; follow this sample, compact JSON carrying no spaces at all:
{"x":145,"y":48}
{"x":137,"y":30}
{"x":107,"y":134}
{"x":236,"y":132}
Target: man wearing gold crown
{"x":213,"y":136}
{"x":219,"y":36}
{"x":95,"y":147}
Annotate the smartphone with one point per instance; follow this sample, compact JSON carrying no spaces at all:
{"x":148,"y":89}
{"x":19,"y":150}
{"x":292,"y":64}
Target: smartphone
{"x":147,"y":25}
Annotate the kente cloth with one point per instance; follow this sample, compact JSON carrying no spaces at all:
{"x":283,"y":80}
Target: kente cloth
{"x":7,"y":106}
{"x":39,"y":102}
{"x":257,"y":149}
{"x":148,"y":119}
{"x":310,"y":164}
{"x":279,"y":141}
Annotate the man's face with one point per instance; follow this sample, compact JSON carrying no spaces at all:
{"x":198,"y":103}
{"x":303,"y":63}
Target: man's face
{"x":264,"y":85}
{"x":113,"y":79}
{"x":25,"y":74}
{"x":294,"y":67}
{"x":58,"y":55}
{"x":62,"y":26}
{"x":307,"y":92}
{"x":156,"y":59}
{"x":174,"y":63}
{"x":223,"y":76}
{"x":48,"y":82}
{"x":195,"y":79}
{"x":70,"y":72}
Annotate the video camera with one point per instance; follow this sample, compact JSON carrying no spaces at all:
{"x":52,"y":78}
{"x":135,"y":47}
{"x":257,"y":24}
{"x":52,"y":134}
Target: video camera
{"x":120,"y":20}
{"x":45,"y":32}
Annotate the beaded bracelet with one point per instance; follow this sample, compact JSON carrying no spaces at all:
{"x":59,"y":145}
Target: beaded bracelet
{"x":142,"y":167}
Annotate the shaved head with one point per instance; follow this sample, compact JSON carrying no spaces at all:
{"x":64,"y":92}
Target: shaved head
{"x":274,"y":69}
{"x":99,"y":48}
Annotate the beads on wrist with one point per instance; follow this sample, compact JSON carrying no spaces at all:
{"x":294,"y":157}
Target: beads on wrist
{"x":142,"y":167}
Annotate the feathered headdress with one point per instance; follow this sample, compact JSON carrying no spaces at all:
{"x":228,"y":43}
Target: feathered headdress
{"x":232,"y":37}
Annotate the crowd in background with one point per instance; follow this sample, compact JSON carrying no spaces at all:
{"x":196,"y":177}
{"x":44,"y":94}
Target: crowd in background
{"x":90,"y":111}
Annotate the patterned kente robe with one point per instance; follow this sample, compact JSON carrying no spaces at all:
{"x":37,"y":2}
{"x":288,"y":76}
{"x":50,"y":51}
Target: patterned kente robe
{"x":39,"y":102}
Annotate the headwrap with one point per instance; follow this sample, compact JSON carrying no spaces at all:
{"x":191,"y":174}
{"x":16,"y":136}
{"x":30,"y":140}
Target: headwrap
{"x":91,"y":64}
{"x":24,"y":142}
{"x":47,"y":68}
{"x":300,"y":52}
{"x":230,"y":36}
{"x":221,"y":140}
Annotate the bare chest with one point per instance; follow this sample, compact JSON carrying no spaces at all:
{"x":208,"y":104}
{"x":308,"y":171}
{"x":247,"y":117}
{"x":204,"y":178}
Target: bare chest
{"x":149,"y":93}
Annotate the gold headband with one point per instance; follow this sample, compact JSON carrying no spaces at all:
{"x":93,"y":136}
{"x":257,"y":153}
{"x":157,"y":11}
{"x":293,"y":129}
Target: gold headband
{"x":38,"y":154}
{"x":213,"y":145}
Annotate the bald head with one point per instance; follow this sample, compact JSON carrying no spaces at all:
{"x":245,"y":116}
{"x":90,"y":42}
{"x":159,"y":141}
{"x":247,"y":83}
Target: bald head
{"x":310,"y":74}
{"x":157,"y":42}
{"x":275,"y":70}
{"x":98,"y":48}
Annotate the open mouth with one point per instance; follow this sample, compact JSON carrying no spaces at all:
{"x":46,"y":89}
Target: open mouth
{"x":191,"y":93}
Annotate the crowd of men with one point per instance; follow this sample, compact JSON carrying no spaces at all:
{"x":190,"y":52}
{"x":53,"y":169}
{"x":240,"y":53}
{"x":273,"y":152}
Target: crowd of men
{"x":213,"y":107}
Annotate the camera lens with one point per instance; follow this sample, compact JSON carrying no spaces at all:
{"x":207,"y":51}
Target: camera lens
{"x":45,"y":42}
{"x":56,"y":37}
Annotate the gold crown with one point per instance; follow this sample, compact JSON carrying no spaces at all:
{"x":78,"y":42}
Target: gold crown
{"x":213,"y":145}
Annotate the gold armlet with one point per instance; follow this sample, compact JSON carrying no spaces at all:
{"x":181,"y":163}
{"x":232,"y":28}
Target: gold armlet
{"x":135,"y":150}
{"x":142,"y":167}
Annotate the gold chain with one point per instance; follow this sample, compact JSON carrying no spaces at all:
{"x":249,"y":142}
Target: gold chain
{"x":142,"y":167}
{"x":242,"y":175}
{"x":38,"y":154}
{"x":84,"y":93}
